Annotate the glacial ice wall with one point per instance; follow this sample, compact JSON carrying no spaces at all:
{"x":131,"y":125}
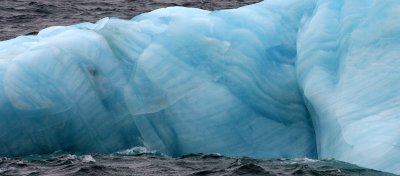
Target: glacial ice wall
{"x":293,"y":78}
{"x":348,"y":68}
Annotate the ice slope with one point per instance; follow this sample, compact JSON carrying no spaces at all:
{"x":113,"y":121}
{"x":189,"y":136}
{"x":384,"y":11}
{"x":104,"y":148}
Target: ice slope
{"x":348,"y":67}
{"x":176,"y":80}
{"x":293,"y":78}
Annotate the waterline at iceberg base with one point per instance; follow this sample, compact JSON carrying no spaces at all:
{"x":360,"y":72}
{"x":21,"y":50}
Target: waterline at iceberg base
{"x":293,"y":78}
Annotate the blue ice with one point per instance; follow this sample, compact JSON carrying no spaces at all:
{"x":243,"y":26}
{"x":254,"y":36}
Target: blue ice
{"x":293,"y":78}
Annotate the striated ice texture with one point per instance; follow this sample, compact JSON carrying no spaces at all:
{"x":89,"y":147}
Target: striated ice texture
{"x":348,"y":66}
{"x":281,"y":78}
{"x":176,"y":80}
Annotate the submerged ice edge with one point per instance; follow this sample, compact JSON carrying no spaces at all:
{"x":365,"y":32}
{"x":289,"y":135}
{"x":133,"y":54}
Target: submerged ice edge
{"x":291,"y":79}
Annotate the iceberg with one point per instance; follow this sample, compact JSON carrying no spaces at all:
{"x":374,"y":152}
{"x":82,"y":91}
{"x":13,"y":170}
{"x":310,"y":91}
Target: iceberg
{"x":293,"y":78}
{"x":176,"y":80}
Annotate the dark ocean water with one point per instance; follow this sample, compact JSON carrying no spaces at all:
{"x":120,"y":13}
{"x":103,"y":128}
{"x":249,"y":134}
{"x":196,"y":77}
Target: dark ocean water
{"x":24,"y":17}
{"x":195,"y":164}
